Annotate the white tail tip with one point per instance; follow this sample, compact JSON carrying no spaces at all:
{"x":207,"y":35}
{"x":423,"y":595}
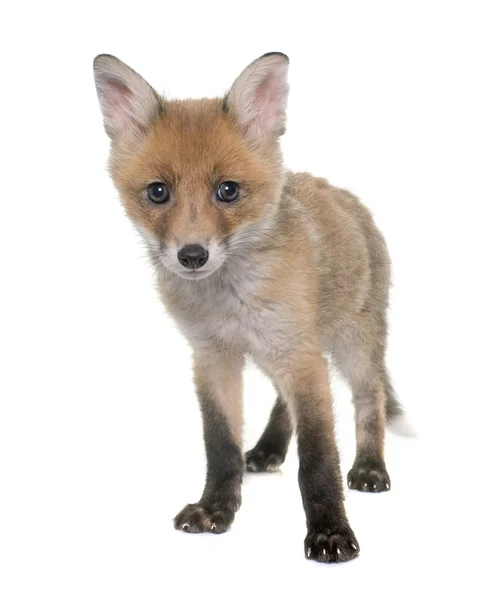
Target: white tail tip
{"x":401,"y":426}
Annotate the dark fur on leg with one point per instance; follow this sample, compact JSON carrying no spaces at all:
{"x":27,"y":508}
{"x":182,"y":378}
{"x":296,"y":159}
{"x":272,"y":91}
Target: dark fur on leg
{"x":369,"y":473}
{"x":329,"y":538}
{"x":270,"y":451}
{"x":222,"y":493}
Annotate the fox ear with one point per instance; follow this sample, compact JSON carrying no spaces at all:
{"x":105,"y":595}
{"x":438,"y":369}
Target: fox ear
{"x":259,"y":96}
{"x":128,"y":103}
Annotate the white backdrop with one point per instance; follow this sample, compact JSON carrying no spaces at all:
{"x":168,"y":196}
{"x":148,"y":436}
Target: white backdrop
{"x":100,"y":437}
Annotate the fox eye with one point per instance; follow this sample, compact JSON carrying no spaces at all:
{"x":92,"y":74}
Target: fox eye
{"x":158,"y":192}
{"x":228,"y":191}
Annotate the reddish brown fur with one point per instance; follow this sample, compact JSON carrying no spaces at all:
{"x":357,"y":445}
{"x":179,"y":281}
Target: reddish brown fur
{"x":193,"y":148}
{"x":301,"y":271}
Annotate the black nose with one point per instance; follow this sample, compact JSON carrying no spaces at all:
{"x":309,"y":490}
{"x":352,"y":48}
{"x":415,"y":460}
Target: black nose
{"x":193,"y":256}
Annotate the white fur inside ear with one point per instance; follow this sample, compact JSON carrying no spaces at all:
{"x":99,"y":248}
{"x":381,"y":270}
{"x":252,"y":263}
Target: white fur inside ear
{"x":128,"y":102}
{"x":259,"y":96}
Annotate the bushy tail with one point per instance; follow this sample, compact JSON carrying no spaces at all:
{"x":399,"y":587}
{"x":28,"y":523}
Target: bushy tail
{"x":395,"y":415}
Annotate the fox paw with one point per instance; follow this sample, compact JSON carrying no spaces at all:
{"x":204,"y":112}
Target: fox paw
{"x":367,"y":477}
{"x":259,"y":461}
{"x":331,"y":546}
{"x":197,"y":519}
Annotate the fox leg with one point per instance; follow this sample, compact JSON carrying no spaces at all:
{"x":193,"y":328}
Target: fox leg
{"x":361,"y":363}
{"x":369,"y":473}
{"x":305,"y":386}
{"x":218,"y":380}
{"x":270,"y":450}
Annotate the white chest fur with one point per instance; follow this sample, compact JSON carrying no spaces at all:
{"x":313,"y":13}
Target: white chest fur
{"x":227,"y":310}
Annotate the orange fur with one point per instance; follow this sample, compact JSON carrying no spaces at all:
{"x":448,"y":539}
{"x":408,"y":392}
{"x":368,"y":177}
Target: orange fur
{"x":297,"y":270}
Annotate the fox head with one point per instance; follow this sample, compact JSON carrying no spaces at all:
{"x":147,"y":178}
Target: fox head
{"x":200,"y":179}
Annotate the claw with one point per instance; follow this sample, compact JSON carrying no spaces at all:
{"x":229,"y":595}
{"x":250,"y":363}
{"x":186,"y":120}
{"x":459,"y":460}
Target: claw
{"x":213,"y":527}
{"x":310,"y":551}
{"x":353,"y":546}
{"x":185,"y":526}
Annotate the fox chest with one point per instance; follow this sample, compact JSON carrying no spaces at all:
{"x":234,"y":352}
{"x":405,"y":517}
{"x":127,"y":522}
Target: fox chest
{"x":241,"y":322}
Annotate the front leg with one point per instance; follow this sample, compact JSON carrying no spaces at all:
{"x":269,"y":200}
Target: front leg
{"x":305,"y":385}
{"x":218,"y":380}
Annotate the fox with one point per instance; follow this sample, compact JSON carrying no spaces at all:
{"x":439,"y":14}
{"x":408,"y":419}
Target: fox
{"x":256,"y":262}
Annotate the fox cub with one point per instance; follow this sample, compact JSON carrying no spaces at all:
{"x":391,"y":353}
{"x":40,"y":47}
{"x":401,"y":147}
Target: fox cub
{"x":255,"y":260}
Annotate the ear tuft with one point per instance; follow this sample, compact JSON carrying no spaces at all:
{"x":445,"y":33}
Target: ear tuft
{"x":259,"y":96}
{"x":128,"y":103}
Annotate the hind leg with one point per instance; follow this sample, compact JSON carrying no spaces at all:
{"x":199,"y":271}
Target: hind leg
{"x":369,"y":473}
{"x":362,"y":364}
{"x":270,"y":451}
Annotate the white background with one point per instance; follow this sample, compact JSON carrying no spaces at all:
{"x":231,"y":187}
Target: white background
{"x":100,"y":436}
